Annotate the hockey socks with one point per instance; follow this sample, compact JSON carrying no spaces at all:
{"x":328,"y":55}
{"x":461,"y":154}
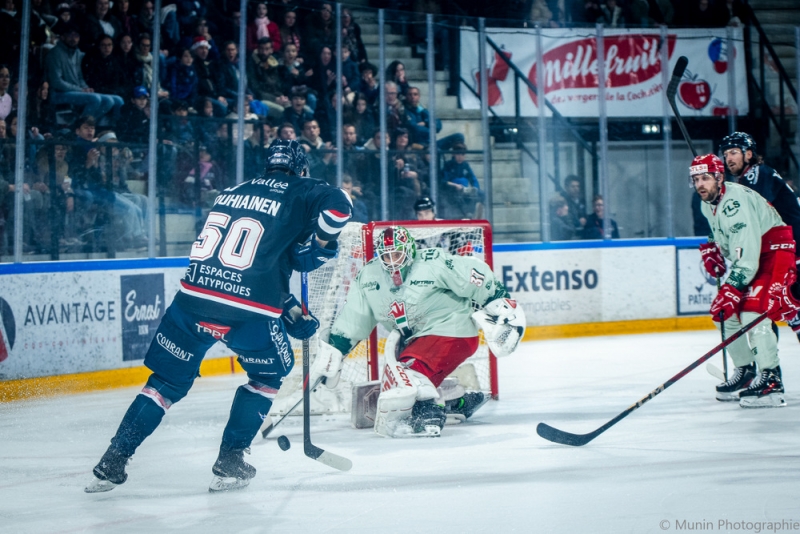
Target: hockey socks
{"x":250,"y":406}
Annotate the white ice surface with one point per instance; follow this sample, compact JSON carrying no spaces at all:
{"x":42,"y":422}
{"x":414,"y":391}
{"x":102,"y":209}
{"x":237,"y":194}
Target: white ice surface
{"x":682,"y":457}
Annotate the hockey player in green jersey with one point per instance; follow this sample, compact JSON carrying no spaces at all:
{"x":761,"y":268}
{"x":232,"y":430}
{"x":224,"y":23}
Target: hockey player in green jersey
{"x":748,"y":232}
{"x":425,"y":298}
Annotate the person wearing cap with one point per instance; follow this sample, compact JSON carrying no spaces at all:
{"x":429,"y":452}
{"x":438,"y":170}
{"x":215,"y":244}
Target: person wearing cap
{"x":63,"y":73}
{"x":746,"y":167}
{"x":749,"y":233}
{"x":134,"y":122}
{"x":206,"y":79}
{"x":461,"y":186}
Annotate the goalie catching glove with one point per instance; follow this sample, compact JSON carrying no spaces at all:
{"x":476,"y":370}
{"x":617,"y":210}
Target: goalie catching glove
{"x":503,"y":324}
{"x":297,"y":325}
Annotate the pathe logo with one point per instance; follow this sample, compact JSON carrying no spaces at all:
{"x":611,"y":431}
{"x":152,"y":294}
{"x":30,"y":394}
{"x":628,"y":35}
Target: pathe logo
{"x":8,"y":329}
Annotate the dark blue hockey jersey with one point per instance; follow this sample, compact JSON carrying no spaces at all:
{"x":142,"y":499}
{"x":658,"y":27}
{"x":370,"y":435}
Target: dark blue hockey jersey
{"x":768,"y":183}
{"x":239,"y":265}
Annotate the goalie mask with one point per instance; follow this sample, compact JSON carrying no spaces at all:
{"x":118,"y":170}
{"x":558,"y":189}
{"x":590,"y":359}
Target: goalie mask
{"x":396,"y":250}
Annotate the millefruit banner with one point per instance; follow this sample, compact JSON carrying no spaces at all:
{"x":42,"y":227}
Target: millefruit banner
{"x":634,"y":84}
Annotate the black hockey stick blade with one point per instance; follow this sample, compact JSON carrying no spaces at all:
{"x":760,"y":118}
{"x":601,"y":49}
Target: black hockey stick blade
{"x":677,"y":74}
{"x":576,"y":440}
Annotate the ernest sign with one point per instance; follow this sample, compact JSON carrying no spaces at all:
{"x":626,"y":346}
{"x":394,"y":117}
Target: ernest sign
{"x":634,"y":85}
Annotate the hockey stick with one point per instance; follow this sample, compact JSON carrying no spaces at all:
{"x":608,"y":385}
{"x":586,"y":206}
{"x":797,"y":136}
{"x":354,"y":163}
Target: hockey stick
{"x":722,"y":335}
{"x":271,"y":427}
{"x":715,"y":371}
{"x":312,"y":451}
{"x":566,"y":438}
{"x":672,"y":90}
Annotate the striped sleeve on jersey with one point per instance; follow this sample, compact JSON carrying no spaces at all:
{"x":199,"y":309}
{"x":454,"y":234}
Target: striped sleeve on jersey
{"x":334,"y":216}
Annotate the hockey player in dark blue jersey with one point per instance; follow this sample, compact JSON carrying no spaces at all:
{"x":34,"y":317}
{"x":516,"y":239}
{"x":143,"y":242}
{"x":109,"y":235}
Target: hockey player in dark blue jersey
{"x":747,"y":168}
{"x":236,"y":290}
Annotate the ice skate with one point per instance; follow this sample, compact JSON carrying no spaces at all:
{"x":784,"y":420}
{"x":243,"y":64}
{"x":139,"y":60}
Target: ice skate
{"x":766,"y":392}
{"x":741,"y":380}
{"x":460,"y":409}
{"x":427,"y":418}
{"x":109,"y":472}
{"x":231,"y":471}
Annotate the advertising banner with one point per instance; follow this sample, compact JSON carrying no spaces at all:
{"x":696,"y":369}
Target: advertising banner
{"x":590,"y":285}
{"x":696,"y":288}
{"x":634,"y":86}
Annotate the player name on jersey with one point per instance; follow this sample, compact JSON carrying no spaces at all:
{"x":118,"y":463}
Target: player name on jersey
{"x":249,"y":202}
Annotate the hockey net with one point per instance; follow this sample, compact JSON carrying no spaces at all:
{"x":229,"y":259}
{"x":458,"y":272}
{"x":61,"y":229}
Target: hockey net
{"x":328,"y":288}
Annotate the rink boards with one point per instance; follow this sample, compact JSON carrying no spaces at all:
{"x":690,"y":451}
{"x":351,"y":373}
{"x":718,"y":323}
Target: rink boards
{"x":87,"y":325}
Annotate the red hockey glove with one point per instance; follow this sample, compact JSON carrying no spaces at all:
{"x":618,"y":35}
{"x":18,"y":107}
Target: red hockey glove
{"x":712,"y":259}
{"x":783,"y":304}
{"x":727,"y":303}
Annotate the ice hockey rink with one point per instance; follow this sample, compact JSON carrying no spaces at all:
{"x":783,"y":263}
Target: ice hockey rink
{"x":682,"y":462}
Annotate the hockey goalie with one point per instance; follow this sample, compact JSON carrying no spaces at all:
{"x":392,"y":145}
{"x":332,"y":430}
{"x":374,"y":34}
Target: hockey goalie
{"x":425,"y":298}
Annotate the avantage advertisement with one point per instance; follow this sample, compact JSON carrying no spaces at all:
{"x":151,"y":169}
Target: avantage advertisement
{"x":632,"y":60}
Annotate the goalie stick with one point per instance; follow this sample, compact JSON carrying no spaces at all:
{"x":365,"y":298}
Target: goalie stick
{"x":567,"y":438}
{"x":312,"y":451}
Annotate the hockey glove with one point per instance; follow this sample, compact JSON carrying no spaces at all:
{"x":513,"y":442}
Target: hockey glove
{"x":297,"y":325}
{"x":503,"y":323}
{"x":712,"y":259}
{"x":727,"y":303}
{"x":308,"y":256}
{"x":327,"y":363}
{"x":784,"y":305}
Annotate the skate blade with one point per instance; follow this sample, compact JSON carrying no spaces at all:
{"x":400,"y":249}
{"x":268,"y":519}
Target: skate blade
{"x":728,"y":397}
{"x":99,"y":486}
{"x":219,"y":484}
{"x":455,"y":419}
{"x":403,"y":430}
{"x":775,"y":400}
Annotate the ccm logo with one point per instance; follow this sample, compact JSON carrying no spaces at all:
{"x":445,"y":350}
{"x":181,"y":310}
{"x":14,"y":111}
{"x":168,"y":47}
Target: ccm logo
{"x":782,"y":246}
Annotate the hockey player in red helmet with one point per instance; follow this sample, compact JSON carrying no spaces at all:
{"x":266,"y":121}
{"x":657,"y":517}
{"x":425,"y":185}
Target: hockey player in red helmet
{"x":748,"y":232}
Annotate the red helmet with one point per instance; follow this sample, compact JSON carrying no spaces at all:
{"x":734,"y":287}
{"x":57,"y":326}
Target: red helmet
{"x":706,"y":164}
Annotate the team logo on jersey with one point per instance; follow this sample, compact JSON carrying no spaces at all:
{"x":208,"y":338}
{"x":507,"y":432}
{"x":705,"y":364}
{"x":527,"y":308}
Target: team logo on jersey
{"x":422,"y":282}
{"x":731,"y":207}
{"x":476,"y":278}
{"x":8,"y":329}
{"x":372,"y":286}
{"x":217,"y":331}
{"x":397,"y":311}
{"x":173,"y":348}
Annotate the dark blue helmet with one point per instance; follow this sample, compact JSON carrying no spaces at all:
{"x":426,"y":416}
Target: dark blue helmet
{"x":288,"y":156}
{"x":740,"y":140}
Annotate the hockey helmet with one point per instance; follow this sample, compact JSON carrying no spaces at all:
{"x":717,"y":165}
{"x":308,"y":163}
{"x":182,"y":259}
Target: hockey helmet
{"x":424,"y":203}
{"x":396,"y":250}
{"x":706,"y":164}
{"x":741,"y":140}
{"x":288,"y":156}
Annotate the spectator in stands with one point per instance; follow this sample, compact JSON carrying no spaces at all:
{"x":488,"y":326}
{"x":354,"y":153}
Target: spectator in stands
{"x":395,"y":110}
{"x":144,"y":67}
{"x":99,"y":22}
{"x":561,"y":228}
{"x":321,"y":77}
{"x":371,"y":173}
{"x":363,"y":118}
{"x":576,"y":203}
{"x":229,"y":27}
{"x":134,"y":123}
{"x":228,"y":74}
{"x":121,"y":10}
{"x":182,"y":78}
{"x":62,"y":199}
{"x":585,"y":12}
{"x":264,"y":79}
{"x":289,"y":69}
{"x":419,"y":123}
{"x":297,"y":115}
{"x":360,"y":212}
{"x":63,"y":70}
{"x":320,"y":153}
{"x":704,"y":14}
{"x":325,"y":116}
{"x":179,"y":129}
{"x":128,"y":63}
{"x":187,"y":12}
{"x":102,"y":69}
{"x":10,"y":33}
{"x":369,"y":84}
{"x":287,"y":132}
{"x":642,"y":14}
{"x":461,"y":186}
{"x":206,"y":79}
{"x":289,"y":31}
{"x":541,"y":13}
{"x":320,"y":30}
{"x":209,"y":184}
{"x":396,"y":72}
{"x":354,"y":155}
{"x":6,"y":103}
{"x":262,"y":27}
{"x":734,"y":12}
{"x":200,"y":33}
{"x":207,"y":125}
{"x":408,"y":175}
{"x":351,"y":38}
{"x":612,"y":14}
{"x":40,"y":112}
{"x":593,"y":229}
{"x":144,"y":21}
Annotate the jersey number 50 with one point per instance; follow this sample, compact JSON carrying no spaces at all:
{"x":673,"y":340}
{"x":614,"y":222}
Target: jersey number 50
{"x":239,"y":245}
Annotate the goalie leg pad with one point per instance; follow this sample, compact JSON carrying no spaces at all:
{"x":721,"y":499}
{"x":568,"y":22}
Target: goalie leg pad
{"x":402,"y":388}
